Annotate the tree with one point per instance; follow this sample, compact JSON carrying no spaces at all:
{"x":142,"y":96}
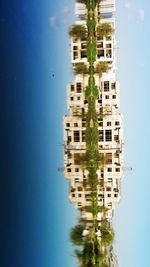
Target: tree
{"x":78,"y":31}
{"x":107,"y":234}
{"x":76,"y":234}
{"x":101,"y":67}
{"x":104,"y":30}
{"x":80,"y":68}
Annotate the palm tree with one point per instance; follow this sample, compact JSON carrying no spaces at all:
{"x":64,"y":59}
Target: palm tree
{"x":78,"y":31}
{"x":76,"y":234}
{"x":80,"y":68}
{"x":107,"y":234}
{"x":101,"y":67}
{"x":104,"y":30}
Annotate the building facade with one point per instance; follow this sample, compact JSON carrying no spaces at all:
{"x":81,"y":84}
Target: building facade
{"x":110,"y":121}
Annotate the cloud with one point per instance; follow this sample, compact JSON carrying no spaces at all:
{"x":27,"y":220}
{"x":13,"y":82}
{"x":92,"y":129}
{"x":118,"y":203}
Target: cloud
{"x":66,"y":10}
{"x":141,"y":14}
{"x":128,"y":5}
{"x":53,"y":21}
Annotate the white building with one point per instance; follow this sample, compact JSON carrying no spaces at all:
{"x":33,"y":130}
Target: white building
{"x":110,"y":122}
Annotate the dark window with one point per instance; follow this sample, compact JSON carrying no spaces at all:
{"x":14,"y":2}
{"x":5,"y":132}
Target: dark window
{"x":116,"y":137}
{"x":115,"y":195}
{"x":117,"y":169}
{"x":78,"y":87}
{"x":108,"y":135}
{"x":106,"y":96}
{"x":71,"y":98}
{"x":68,"y":170}
{"x":109,"y":123}
{"x":106,"y":86}
{"x":114,"y":97}
{"x":76,"y":169}
{"x":101,"y":135}
{"x":67,"y":124}
{"x":109,"y":169}
{"x":113,"y":86}
{"x":109,"y":195}
{"x":117,"y":123}
{"x":76,"y":136}
{"x":75,"y":124}
{"x":77,"y":159}
{"x":83,"y":136}
{"x":72,"y":88}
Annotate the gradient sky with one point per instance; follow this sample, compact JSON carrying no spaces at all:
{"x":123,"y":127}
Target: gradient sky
{"x":35,"y":213}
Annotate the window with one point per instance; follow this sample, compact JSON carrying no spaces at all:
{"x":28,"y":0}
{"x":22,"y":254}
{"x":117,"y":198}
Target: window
{"x":83,"y":136}
{"x":108,"y":195}
{"x":115,"y":195}
{"x":110,"y":180}
{"x":109,"y":169}
{"x":83,"y":53}
{"x":106,"y":96}
{"x":83,"y":46}
{"x":100,"y":45}
{"x":117,"y":123}
{"x":114,"y":97}
{"x":73,"y":195}
{"x":79,"y":195}
{"x":116,"y":137}
{"x":113,"y":86}
{"x":75,"y":124}
{"x":72,"y":88}
{"x":78,"y":88}
{"x":79,"y":188}
{"x":109,"y":123}
{"x":117,"y":169}
{"x":108,"y":135}
{"x":77,"y":158}
{"x":75,"y":47}
{"x":68,"y":170}
{"x":101,"y":135}
{"x":100,"y":123}
{"x":106,"y":86}
{"x":110,"y":204}
{"x":71,"y":98}
{"x":76,"y":180}
{"x":67,"y":124}
{"x":76,"y":136}
{"x":108,"y":158}
{"x":75,"y":55}
{"x":76,"y":169}
{"x":69,"y":139}
{"x":100,"y":53}
{"x":78,"y":98}
{"x":108,"y":45}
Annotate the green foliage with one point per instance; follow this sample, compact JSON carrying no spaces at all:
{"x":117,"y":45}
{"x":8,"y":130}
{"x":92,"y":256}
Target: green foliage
{"x":91,"y":50}
{"x":80,"y":68}
{"x":78,"y":31}
{"x":107,"y":234}
{"x":104,"y":30}
{"x":76,"y":234}
{"x":101,"y":67}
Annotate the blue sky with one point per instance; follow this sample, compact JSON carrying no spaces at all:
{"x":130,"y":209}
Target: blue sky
{"x":36,"y":215}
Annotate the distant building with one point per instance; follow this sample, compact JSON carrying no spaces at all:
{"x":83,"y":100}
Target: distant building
{"x":110,"y":123}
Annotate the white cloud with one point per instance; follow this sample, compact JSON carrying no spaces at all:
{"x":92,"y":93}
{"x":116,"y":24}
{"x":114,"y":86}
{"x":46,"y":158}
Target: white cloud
{"x":53,"y":21}
{"x":66,"y":10}
{"x":128,"y":5}
{"x":141,"y":14}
